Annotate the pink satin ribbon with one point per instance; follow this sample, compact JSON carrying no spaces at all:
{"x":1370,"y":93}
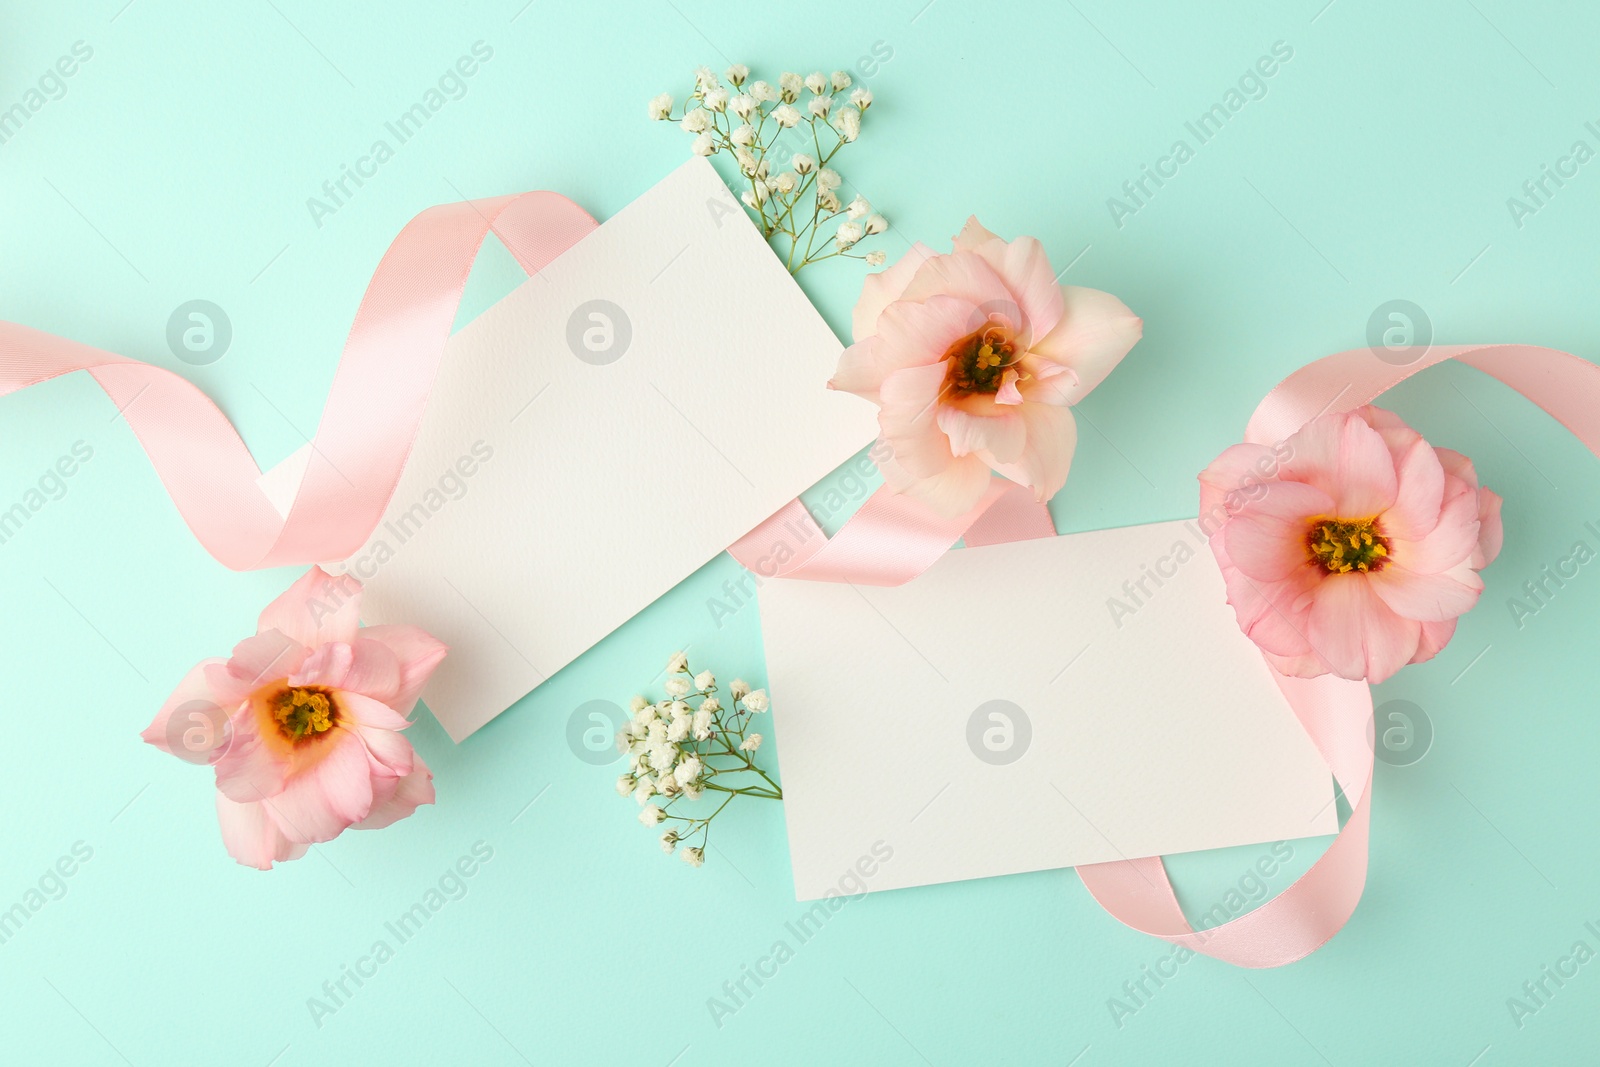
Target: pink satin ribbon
{"x":380,"y":392}
{"x":890,"y":541}
{"x":373,"y":411}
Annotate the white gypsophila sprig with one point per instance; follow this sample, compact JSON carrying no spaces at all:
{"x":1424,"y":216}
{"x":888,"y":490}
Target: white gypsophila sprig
{"x":784,"y":139}
{"x":689,"y":744}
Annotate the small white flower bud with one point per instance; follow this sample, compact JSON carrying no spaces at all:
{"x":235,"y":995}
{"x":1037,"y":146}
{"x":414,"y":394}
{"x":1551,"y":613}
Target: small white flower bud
{"x":849,"y":233}
{"x":862,"y":97}
{"x":840,"y":80}
{"x":790,"y":85}
{"x":819,"y":105}
{"x":876,"y":257}
{"x":661,"y":106}
{"x":817,"y":81}
{"x":802,"y":163}
{"x":737,"y":73}
{"x":785,"y":116}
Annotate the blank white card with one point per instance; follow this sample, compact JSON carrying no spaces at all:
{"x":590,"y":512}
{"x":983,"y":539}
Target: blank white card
{"x":1026,"y":706}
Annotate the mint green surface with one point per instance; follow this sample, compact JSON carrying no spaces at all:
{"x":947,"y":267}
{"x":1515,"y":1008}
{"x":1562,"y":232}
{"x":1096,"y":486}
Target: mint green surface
{"x":1377,"y":165}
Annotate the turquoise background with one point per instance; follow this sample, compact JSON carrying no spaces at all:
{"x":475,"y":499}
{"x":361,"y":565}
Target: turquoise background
{"x":1377,"y":166}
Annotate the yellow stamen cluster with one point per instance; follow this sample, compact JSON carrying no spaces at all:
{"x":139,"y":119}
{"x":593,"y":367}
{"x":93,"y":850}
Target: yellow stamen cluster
{"x":977,"y":363}
{"x":1340,"y":546}
{"x":303,"y":713}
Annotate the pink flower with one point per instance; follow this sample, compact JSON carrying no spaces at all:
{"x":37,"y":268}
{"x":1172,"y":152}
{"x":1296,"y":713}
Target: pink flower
{"x":974,"y":359}
{"x":1352,"y":547}
{"x":303,"y":724}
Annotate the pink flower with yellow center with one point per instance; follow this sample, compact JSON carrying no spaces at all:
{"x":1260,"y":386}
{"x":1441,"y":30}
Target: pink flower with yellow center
{"x":974,"y":359}
{"x":302,"y":725}
{"x":1351,"y":548}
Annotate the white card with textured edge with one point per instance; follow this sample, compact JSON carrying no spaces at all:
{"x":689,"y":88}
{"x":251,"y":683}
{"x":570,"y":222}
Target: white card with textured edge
{"x":598,"y":435}
{"x":1027,"y":706}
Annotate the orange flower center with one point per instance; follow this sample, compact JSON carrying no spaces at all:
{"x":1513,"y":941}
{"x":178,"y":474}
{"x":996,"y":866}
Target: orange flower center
{"x":304,"y":713}
{"x":977,"y":363}
{"x":1340,"y":546}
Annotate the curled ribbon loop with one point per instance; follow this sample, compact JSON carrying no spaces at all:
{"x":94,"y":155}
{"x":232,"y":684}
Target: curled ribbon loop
{"x":1337,"y":714}
{"x":373,"y":411}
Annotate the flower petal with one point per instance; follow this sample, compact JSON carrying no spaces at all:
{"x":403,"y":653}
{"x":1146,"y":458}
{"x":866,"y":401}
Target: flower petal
{"x":418,"y":652}
{"x":1419,"y":494}
{"x":1428,"y":597}
{"x":328,"y":665}
{"x":951,"y":491}
{"x":1267,"y":535}
{"x":318,"y":608}
{"x":909,"y":421}
{"x":252,"y":836}
{"x":1356,"y":632}
{"x":1001,"y":436}
{"x":318,"y":803}
{"x":397,"y":798}
{"x":1345,"y":458}
{"x":251,"y":769}
{"x":883,"y":288}
{"x":1095,"y":331}
{"x":186,"y":725}
{"x":257,"y":661}
{"x":1046,"y":457}
{"x":374,"y":670}
{"x":963,"y":277}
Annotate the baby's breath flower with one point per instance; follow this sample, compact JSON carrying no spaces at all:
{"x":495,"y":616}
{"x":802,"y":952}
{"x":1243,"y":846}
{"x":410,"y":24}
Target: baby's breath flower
{"x":834,"y":99}
{"x":694,"y":857}
{"x":876,"y":257}
{"x":701,"y":724}
{"x":644,"y":788}
{"x":738,"y":689}
{"x":848,"y":122}
{"x":677,"y":686}
{"x":858,"y":207}
{"x":704,"y":680}
{"x":650,"y":814}
{"x":756,"y":701}
{"x":876,"y":224}
{"x":678,"y":729}
{"x":751,"y":743}
{"x":711,"y":704}
{"x":678,"y":663}
{"x":687,"y":771}
{"x":625,"y":784}
{"x":669,"y":842}
{"x":638,"y":704}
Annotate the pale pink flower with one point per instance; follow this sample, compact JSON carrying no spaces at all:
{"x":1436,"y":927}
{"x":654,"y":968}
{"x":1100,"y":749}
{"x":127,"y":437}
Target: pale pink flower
{"x":307,"y":717}
{"x":974,"y":359}
{"x":1352,"y":547}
